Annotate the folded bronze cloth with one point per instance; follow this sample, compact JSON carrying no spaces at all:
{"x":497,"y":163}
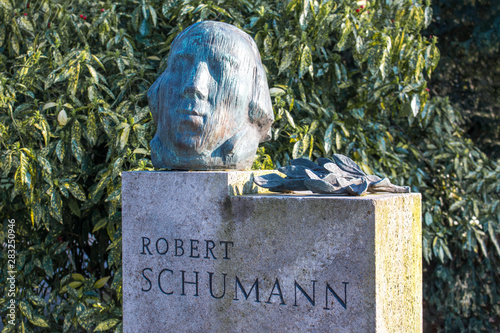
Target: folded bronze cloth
{"x":340,"y":176}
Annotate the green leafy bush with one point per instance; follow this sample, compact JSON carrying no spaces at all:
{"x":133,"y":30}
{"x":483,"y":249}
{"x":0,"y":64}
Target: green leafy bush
{"x":346,"y":77}
{"x":469,"y":37}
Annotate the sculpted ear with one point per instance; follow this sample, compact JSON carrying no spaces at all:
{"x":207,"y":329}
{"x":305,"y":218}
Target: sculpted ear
{"x":260,"y":108}
{"x":153,"y":99}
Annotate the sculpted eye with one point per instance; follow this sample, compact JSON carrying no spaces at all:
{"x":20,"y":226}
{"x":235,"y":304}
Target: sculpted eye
{"x":215,"y":68}
{"x":181,"y":62}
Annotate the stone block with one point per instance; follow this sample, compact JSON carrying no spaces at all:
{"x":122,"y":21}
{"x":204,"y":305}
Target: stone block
{"x":197,"y":258}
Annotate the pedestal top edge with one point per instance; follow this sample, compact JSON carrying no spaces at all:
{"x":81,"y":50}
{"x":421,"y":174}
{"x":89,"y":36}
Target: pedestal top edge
{"x":308,"y":194}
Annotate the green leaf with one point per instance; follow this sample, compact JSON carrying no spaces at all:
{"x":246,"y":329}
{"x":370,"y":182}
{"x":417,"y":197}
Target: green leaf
{"x":14,"y":44}
{"x":419,"y":66}
{"x":140,"y":151}
{"x":346,"y":32}
{"x":76,"y":131}
{"x":428,"y":16}
{"x":99,"y":62}
{"x":22,"y":176}
{"x":48,"y":265}
{"x":426,"y":249}
{"x":437,"y":249}
{"x":26,"y":309}
{"x":102,"y":183}
{"x":67,"y":322}
{"x":304,"y":15}
{"x":140,"y":131}
{"x":91,"y":129}
{"x":75,"y":284}
{"x":145,"y":11}
{"x":446,"y":250}
{"x":117,"y":168}
{"x":338,"y":73}
{"x":411,"y":87}
{"x":328,"y":139}
{"x":7,"y":164}
{"x":64,"y":191}
{"x":2,"y":34}
{"x":49,"y":105}
{"x":101,"y":282}
{"x":338,"y":141}
{"x":38,"y":321}
{"x":78,"y":277}
{"x":45,"y":129}
{"x":493,"y":237}
{"x":114,"y":257}
{"x":306,"y":62}
{"x":415,"y":104}
{"x":25,"y":24}
{"x":291,"y":6}
{"x":144,"y":28}
{"x":124,"y":137}
{"x":482,"y":244}
{"x":286,"y":59}
{"x":383,"y":64}
{"x":435,"y":56}
{"x":102,"y":223}
{"x":276,"y":91}
{"x":93,"y":73}
{"x":115,"y":195}
{"x":23,"y":107}
{"x":77,"y":150}
{"x":289,"y":118}
{"x":107,"y":324}
{"x":75,"y":190}
{"x":37,"y":301}
{"x":456,"y":205}
{"x":153,"y":15}
{"x":344,"y":130}
{"x":45,"y":164}
{"x":37,"y":212}
{"x":73,"y":83}
{"x":61,"y":248}
{"x":168,"y":6}
{"x":428,"y":218}
{"x":300,"y":148}
{"x":87,"y":318}
{"x":60,"y":150}
{"x":56,"y":206}
{"x":117,"y":280}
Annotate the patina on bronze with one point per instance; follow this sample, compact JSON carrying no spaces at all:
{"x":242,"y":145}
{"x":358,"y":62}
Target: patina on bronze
{"x":212,"y":103}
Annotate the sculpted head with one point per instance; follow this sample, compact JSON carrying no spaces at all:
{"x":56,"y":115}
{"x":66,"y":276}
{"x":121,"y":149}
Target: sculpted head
{"x":212,"y":103}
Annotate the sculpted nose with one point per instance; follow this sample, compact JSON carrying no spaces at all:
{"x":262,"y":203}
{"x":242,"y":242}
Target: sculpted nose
{"x":199,"y":81}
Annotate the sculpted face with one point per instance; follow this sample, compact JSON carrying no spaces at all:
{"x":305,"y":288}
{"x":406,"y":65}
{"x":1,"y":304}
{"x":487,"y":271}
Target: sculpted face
{"x":212,"y":102}
{"x":207,"y":91}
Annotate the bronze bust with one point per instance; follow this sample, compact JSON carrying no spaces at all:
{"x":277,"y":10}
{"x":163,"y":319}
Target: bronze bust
{"x":212,"y":103}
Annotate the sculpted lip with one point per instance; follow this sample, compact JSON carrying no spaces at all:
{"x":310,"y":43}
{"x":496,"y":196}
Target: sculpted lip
{"x":193,"y":119}
{"x":193,"y":112}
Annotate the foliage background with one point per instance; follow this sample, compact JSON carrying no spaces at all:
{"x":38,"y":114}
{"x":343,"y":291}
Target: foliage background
{"x":348,"y":77}
{"x":469,"y":39}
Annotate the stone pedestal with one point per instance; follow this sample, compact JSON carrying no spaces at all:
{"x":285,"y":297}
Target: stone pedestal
{"x":201,"y":255}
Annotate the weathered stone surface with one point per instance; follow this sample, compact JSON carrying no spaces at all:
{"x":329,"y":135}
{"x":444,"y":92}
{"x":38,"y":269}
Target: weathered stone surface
{"x":319,"y":263}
